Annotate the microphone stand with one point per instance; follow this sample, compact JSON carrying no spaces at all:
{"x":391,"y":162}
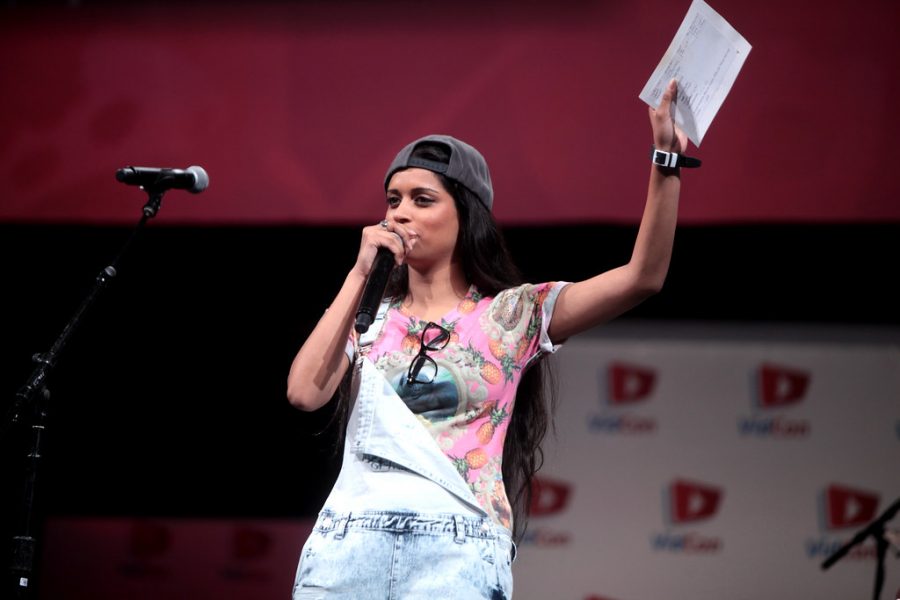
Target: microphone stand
{"x":876,"y":530}
{"x":31,"y":403}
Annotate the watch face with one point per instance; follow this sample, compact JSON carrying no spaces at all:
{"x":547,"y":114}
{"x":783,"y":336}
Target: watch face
{"x":660,"y":157}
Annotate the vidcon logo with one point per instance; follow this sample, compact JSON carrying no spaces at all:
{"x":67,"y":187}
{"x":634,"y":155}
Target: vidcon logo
{"x":150,"y":550}
{"x":848,"y":507}
{"x":688,"y":503}
{"x":549,"y":498}
{"x":251,"y":549}
{"x":622,"y":386}
{"x":842,"y":510}
{"x":776,"y":388}
{"x":629,"y":383}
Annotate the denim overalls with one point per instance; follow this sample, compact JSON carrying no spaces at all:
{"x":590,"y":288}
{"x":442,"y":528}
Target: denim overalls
{"x":400,"y":521}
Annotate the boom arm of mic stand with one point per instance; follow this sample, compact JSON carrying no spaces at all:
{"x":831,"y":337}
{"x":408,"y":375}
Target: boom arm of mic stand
{"x":870,"y":529}
{"x":47,"y":361}
{"x":32,"y":396}
{"x":876,"y":530}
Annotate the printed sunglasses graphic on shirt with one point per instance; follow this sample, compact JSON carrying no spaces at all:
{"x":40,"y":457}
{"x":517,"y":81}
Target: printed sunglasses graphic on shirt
{"x":842,"y":510}
{"x":624,"y":387}
{"x":776,"y":388}
{"x":688,"y":503}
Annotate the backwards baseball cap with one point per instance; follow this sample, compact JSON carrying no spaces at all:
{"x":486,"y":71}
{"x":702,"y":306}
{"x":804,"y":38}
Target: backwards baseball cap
{"x":467,"y":166}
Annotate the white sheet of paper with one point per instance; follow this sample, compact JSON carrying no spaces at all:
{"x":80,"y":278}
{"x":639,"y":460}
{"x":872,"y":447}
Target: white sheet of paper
{"x":705,"y":58}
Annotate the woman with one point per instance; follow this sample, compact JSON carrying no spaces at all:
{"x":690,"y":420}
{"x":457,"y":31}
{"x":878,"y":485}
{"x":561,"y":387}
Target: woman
{"x":447,"y":416}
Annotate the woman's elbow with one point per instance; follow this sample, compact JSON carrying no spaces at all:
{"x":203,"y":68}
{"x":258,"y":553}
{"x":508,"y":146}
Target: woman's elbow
{"x":301,"y":398}
{"x":655,"y":286}
{"x":648,"y":286}
{"x":652,"y":280}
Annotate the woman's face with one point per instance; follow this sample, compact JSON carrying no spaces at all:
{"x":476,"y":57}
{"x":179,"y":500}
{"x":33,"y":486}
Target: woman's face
{"x":418,"y":202}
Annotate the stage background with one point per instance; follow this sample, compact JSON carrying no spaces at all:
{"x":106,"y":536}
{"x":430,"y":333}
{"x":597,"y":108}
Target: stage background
{"x":296,"y":108}
{"x":173,"y":461}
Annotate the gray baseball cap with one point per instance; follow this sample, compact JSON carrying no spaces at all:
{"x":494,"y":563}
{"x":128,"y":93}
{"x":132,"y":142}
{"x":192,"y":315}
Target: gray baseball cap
{"x":467,"y":166}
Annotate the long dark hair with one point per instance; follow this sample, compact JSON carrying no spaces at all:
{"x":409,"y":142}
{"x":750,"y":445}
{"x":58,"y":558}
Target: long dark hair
{"x":487,"y":263}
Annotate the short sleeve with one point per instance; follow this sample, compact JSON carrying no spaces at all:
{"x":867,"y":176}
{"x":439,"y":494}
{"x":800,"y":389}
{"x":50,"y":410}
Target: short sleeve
{"x":519,"y":320}
{"x":349,"y":349}
{"x":546,"y":307}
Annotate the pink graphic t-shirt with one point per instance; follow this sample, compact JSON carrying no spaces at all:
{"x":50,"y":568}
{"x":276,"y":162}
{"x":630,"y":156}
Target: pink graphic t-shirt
{"x":466,"y":404}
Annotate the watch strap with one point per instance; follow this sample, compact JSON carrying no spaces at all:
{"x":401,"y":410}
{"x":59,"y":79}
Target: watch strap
{"x":673,"y":159}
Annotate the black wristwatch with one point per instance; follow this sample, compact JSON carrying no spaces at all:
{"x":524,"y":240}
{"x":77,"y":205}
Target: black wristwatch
{"x":672,"y":160}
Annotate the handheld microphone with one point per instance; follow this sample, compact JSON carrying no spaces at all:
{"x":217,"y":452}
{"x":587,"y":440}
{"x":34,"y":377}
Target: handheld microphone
{"x":193,"y":179}
{"x":374,"y":290}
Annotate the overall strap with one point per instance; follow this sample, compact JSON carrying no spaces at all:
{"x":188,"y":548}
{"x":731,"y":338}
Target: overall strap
{"x":365,"y":341}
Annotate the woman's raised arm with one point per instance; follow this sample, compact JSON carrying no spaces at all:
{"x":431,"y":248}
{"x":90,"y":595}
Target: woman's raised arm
{"x":601,"y":298}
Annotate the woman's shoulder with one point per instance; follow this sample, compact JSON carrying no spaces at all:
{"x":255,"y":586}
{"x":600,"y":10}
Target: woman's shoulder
{"x":527,"y":292}
{"x":517,"y":305}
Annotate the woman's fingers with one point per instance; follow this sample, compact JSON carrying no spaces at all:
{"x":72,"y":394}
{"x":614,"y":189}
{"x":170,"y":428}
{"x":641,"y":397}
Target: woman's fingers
{"x":665,"y":135}
{"x":397,"y":244}
{"x":379,"y":236}
{"x":669,"y":95}
{"x":407,"y":236}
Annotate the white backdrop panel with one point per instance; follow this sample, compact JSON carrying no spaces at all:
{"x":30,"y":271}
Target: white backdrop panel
{"x":757,"y":426}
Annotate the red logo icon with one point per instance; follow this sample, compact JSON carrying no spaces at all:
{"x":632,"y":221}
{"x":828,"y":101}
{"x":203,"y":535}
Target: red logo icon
{"x":250,"y":543}
{"x":691,"y":501}
{"x":629,"y":383}
{"x":780,"y":386}
{"x":149,"y":539}
{"x":548,"y":497}
{"x":848,"y":507}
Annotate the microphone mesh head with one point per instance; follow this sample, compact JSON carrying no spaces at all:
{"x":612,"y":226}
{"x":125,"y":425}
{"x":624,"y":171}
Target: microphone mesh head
{"x":201,"y":179}
{"x":363,"y":321}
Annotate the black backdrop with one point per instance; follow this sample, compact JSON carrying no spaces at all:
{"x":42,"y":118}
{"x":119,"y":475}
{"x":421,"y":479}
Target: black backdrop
{"x":170,"y":400}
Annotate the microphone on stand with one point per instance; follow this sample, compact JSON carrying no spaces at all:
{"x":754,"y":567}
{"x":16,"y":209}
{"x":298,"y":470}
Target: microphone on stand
{"x":193,"y":179}
{"x":374,"y":290}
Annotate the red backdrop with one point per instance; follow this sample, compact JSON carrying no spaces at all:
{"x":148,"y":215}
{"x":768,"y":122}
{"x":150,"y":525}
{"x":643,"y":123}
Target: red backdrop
{"x":295,"y":109}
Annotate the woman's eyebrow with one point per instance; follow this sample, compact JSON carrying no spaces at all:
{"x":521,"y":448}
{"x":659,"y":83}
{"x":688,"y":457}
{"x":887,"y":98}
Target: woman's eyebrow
{"x":414,"y":190}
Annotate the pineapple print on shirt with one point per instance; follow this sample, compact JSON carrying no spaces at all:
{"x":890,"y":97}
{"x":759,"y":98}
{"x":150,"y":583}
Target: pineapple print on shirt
{"x":468,"y":406}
